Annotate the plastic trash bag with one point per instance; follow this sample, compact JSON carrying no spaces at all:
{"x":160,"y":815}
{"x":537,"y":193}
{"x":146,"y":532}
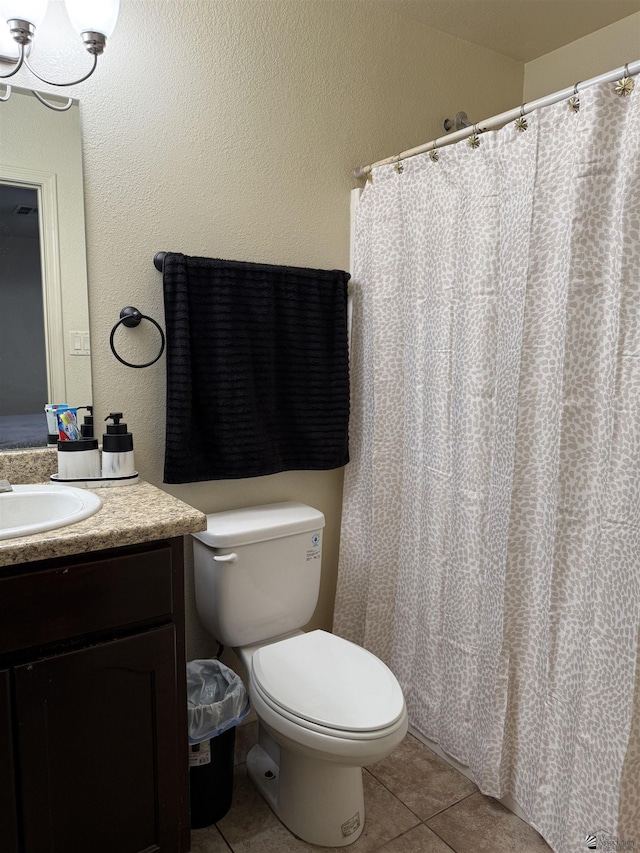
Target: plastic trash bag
{"x":216,"y":699}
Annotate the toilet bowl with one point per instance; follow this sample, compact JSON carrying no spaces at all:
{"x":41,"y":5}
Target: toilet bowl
{"x":326,"y":707}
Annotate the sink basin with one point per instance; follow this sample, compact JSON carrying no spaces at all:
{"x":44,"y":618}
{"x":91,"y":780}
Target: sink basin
{"x":35,"y":508}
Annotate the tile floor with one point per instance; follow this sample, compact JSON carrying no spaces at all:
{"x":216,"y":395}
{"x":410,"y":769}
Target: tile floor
{"x":415,"y":801}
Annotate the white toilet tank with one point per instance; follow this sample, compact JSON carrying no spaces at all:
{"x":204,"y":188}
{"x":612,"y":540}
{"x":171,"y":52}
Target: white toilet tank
{"x":257,"y":571}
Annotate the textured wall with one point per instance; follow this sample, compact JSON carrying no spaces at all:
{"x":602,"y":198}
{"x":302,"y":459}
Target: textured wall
{"x":587,"y":57}
{"x":230,"y":128}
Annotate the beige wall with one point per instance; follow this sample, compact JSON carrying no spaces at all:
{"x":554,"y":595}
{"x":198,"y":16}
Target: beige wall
{"x":230,"y":128}
{"x":587,"y":57}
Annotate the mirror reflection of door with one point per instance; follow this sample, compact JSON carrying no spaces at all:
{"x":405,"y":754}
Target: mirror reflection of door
{"x":23,"y":367}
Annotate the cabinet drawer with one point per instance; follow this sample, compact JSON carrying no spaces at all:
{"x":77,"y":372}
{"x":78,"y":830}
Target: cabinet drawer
{"x":85,"y":597}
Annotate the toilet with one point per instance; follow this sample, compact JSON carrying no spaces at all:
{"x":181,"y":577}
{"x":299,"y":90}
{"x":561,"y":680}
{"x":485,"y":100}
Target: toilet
{"x":326,"y":707}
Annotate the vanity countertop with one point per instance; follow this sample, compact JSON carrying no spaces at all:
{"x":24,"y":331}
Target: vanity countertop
{"x":129,"y":515}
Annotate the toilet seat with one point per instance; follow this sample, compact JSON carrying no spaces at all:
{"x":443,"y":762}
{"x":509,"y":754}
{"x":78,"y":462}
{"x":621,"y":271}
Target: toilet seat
{"x":261,"y":702}
{"x":327,"y":684}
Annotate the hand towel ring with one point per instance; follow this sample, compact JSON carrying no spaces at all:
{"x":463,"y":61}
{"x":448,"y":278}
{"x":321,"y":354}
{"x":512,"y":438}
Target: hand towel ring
{"x":131,"y":317}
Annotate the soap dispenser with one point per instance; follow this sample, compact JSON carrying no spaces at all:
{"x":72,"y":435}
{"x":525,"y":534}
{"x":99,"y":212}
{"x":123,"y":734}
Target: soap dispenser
{"x":86,"y":428}
{"x":117,"y":449}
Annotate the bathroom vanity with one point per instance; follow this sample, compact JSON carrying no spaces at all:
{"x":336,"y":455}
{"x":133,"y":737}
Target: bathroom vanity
{"x":93,"y":746}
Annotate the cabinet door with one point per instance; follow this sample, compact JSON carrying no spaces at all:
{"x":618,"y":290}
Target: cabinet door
{"x":99,"y":748}
{"x":8,"y":825}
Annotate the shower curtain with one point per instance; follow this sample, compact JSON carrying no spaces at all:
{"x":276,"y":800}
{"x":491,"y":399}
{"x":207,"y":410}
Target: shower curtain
{"x":490,"y":549}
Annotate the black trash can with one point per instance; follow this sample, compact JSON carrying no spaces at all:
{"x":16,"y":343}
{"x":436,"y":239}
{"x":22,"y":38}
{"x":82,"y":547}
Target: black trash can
{"x":211,"y":778}
{"x":216,"y":702}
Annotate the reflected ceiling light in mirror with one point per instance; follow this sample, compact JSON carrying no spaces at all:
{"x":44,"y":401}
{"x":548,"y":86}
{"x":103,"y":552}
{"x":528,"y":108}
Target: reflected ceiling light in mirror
{"x":94,"y":20}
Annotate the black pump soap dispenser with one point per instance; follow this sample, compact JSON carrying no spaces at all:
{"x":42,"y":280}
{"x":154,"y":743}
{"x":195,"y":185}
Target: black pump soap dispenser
{"x":117,"y":449}
{"x":86,"y":428}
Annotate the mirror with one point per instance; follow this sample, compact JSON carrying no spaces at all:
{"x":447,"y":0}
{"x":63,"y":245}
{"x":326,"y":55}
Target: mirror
{"x":44,"y":313}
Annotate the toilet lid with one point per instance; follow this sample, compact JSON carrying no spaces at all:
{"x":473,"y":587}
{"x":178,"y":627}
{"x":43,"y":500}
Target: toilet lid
{"x":330,"y":681}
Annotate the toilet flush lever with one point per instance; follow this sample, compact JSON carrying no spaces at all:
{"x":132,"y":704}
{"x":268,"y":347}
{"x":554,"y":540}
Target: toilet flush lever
{"x":225,"y":558}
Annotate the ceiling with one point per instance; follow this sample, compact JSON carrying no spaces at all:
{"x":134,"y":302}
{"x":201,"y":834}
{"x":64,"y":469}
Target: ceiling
{"x":521,"y":29}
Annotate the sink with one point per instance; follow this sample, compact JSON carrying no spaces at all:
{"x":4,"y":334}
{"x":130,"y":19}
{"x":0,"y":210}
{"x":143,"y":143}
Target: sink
{"x":34,"y":508}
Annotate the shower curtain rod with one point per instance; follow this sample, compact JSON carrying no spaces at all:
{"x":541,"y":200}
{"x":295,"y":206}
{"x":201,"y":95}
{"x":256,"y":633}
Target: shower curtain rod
{"x":628,"y":70}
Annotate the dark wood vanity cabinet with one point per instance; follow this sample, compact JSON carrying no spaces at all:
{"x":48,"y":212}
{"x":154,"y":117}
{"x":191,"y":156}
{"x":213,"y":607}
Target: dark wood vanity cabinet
{"x":93,"y":732}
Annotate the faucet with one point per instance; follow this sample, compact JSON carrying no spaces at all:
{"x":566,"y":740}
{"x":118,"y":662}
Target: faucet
{"x":5,"y":486}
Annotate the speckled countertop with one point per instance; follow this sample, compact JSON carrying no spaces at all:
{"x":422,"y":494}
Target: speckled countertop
{"x":129,"y":515}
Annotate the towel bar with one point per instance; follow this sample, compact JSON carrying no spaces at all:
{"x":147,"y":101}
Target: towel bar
{"x":158,"y":260}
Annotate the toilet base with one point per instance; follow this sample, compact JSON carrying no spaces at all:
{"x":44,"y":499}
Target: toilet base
{"x":319,"y":801}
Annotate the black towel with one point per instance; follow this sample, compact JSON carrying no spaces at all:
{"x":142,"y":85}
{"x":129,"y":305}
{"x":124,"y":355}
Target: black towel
{"x":257,"y":369}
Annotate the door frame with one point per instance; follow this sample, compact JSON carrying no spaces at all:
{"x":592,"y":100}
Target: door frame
{"x":44,"y":183}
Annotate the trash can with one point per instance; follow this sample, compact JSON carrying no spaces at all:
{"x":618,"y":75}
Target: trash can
{"x":216,"y":702}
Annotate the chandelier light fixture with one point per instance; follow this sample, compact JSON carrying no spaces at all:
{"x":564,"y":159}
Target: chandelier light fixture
{"x":94,"y":20}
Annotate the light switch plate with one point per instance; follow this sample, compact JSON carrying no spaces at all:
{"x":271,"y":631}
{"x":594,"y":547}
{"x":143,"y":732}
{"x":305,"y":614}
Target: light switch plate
{"x":79,"y":343}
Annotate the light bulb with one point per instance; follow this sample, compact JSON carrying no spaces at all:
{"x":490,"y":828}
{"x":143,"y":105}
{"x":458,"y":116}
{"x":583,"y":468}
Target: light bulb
{"x":9,"y":49}
{"x":23,"y":10}
{"x":95,"y":16}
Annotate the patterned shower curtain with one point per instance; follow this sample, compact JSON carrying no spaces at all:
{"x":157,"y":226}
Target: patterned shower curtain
{"x":490,"y":549}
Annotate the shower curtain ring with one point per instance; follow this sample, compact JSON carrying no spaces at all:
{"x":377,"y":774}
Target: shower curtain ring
{"x":474,"y":139}
{"x":434,"y":154}
{"x":574,"y":100}
{"x":626,"y":84}
{"x":398,"y":166}
{"x":521,"y":123}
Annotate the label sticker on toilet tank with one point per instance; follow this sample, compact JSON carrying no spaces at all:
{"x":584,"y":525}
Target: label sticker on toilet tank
{"x":315,"y":551}
{"x":350,"y":826}
{"x":200,"y":753}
